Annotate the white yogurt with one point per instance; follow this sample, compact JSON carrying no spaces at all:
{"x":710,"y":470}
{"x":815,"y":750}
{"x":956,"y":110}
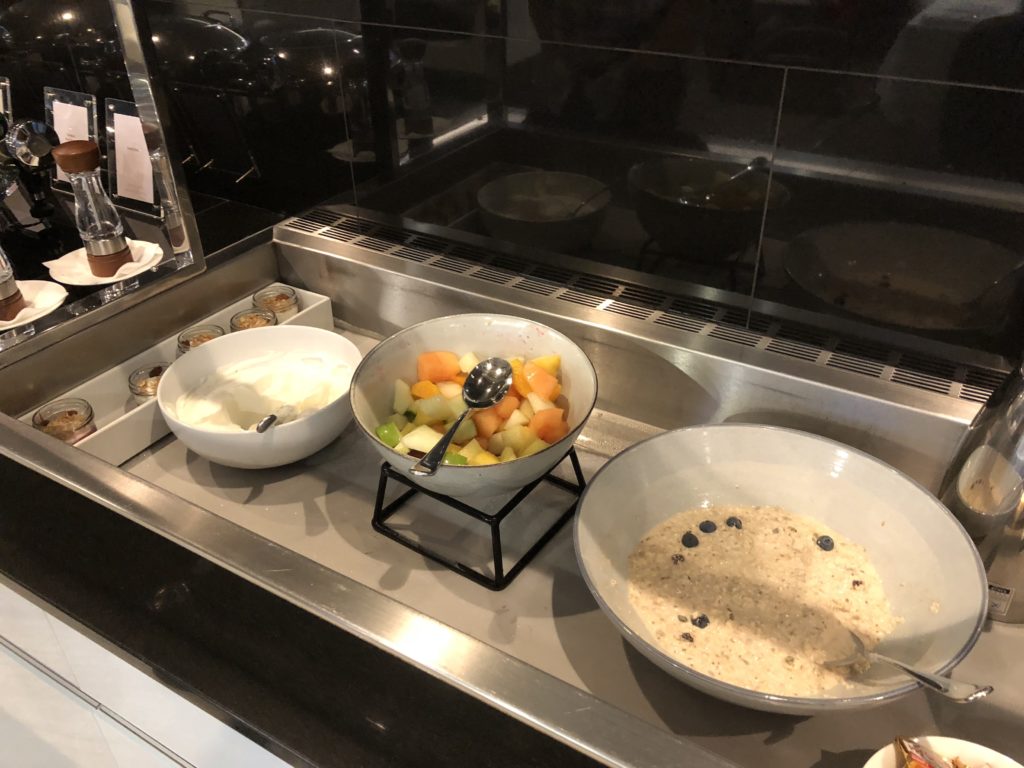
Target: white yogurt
{"x":234,"y":398}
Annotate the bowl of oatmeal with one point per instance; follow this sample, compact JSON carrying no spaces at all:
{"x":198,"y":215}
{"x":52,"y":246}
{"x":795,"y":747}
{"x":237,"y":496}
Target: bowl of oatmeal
{"x":738,"y":558}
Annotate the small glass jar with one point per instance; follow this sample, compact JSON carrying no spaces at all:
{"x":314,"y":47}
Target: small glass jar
{"x":69,"y":420}
{"x":253,"y":318}
{"x":196,"y":336}
{"x":143,"y":382}
{"x":279,"y":299}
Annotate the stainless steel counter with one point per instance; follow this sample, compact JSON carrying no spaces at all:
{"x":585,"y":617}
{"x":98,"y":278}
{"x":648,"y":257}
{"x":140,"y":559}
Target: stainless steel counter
{"x":541,"y":651}
{"x":547,"y":618}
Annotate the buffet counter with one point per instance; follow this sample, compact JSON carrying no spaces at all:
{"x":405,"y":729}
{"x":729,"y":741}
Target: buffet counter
{"x":541,"y":651}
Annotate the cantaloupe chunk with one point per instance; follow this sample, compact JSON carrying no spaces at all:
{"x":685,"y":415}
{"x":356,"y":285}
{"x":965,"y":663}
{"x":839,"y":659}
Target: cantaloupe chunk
{"x":508,"y":404}
{"x":540,"y":381}
{"x":487,"y":422}
{"x":519,"y":382}
{"x":459,"y":379}
{"x":550,"y":363}
{"x":483,"y":458}
{"x":424,"y":389}
{"x":437,"y":366}
{"x":549,"y":425}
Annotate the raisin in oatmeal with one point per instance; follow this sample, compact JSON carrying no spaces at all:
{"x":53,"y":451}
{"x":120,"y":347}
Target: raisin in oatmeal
{"x":757,"y":597}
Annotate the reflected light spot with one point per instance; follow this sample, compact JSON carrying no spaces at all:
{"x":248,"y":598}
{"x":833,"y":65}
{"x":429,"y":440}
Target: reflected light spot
{"x":424,"y":640}
{"x":155,"y":38}
{"x":328,"y":70}
{"x":68,"y":16}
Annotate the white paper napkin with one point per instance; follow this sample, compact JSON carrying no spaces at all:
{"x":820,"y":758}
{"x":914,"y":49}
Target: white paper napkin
{"x":73,"y":268}
{"x":41,"y":298}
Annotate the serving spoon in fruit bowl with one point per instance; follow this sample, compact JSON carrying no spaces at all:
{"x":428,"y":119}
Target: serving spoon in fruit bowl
{"x":485,"y":386}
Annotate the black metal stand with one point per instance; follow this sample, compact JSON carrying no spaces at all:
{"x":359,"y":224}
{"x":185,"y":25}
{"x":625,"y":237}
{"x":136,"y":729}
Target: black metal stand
{"x":501,"y":579}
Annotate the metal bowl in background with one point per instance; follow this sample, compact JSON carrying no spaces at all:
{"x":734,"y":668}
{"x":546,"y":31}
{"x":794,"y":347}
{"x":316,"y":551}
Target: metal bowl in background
{"x":932,"y":574}
{"x":687,"y":228}
{"x":544,"y":209}
{"x":909,"y":275}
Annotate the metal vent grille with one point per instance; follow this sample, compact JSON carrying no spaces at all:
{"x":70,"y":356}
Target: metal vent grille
{"x":685,"y":313}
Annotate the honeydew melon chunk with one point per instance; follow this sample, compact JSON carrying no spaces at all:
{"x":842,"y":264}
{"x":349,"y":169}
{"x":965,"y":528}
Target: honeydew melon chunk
{"x":538,"y":403}
{"x":517,"y":419}
{"x":526,"y":409}
{"x":465,"y":432}
{"x":507,"y":455}
{"x":483,"y":458}
{"x":517,"y":438}
{"x":471,"y":449}
{"x":536,"y":446}
{"x":422,"y":438}
{"x":403,"y":397}
{"x":449,"y":389}
{"x":550,"y":363}
{"x":398,"y":419}
{"x":468,"y":362}
{"x":433,"y":409}
{"x":458,"y":405}
{"x":497,"y":443}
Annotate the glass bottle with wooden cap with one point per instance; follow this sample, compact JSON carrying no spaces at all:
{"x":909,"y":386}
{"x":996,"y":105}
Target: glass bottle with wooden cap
{"x":11,"y":300}
{"x":99,"y":224}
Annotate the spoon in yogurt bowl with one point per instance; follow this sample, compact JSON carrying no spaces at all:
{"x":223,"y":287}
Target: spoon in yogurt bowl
{"x":485,"y":386}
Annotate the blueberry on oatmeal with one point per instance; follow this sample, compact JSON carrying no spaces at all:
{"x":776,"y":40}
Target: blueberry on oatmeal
{"x":689,"y":540}
{"x":708,"y":527}
{"x":826,"y":543}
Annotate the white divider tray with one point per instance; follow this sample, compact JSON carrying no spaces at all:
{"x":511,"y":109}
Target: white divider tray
{"x":125,"y":427}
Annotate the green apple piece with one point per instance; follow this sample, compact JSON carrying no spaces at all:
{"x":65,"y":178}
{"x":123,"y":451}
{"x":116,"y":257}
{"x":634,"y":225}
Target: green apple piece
{"x":388,"y":434}
{"x":507,"y":455}
{"x":471,"y":449}
{"x":536,"y":446}
{"x":403,"y":397}
{"x":453,"y":458}
{"x":422,"y":439}
{"x":468,"y":362}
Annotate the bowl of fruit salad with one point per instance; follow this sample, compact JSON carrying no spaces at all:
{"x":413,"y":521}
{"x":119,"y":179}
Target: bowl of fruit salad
{"x":408,"y":390}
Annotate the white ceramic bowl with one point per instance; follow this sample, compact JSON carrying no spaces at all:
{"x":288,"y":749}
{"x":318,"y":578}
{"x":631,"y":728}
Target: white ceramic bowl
{"x":921,"y":552}
{"x":971,"y":754}
{"x":281,"y":444}
{"x":486,"y":336}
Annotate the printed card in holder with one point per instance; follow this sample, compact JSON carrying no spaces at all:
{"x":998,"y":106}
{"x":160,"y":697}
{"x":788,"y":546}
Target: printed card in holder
{"x":72,"y":116}
{"x":128,"y":159}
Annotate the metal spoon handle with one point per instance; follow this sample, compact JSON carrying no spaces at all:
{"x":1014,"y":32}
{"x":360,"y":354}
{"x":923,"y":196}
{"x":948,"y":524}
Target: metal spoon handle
{"x":956,"y":690}
{"x":428,"y":464}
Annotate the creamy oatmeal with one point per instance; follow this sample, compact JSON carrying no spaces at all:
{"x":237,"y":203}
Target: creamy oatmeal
{"x":757,"y":596}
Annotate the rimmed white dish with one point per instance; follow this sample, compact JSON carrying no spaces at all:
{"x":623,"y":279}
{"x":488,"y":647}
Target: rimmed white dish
{"x":931,"y":571}
{"x":41,"y":298}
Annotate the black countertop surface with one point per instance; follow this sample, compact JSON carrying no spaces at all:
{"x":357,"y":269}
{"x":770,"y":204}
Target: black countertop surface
{"x":306,"y":690}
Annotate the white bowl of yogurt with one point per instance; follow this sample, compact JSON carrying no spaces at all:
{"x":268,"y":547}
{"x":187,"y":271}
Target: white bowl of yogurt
{"x":212,"y":397}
